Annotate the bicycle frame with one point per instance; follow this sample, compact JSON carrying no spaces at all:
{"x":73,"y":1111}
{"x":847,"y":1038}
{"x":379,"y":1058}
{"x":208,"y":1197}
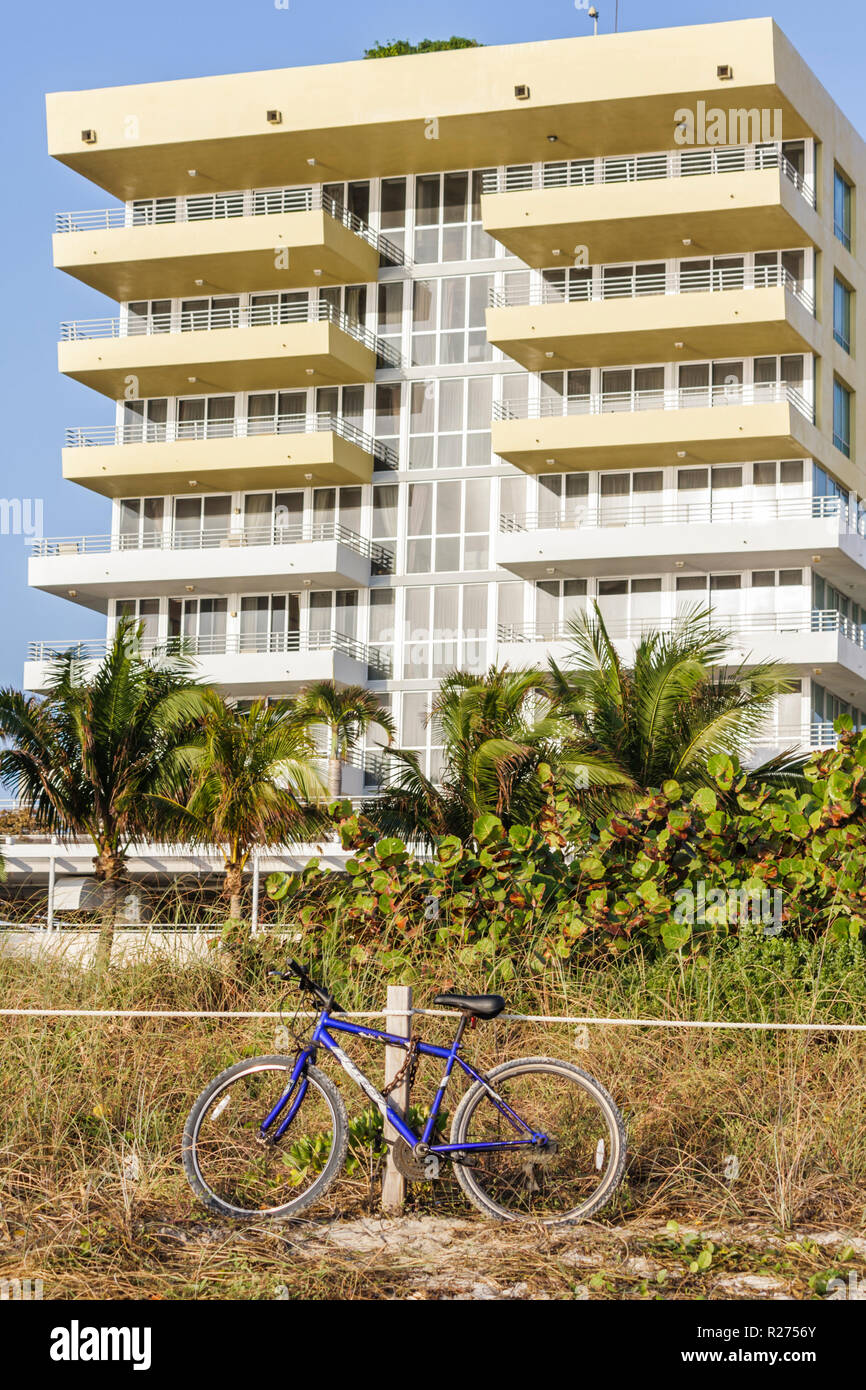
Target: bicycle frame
{"x":326,"y":1024}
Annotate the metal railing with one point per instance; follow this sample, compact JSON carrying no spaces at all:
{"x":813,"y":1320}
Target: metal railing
{"x":219,"y":316}
{"x":601,"y":512}
{"x":209,"y":207}
{"x":661,"y":164}
{"x":217,"y":538}
{"x":678,"y":398}
{"x":218,"y":644}
{"x":738,"y":624}
{"x":239,"y":427}
{"x":634,"y":285}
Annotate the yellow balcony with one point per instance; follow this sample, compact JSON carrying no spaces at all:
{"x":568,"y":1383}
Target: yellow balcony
{"x":282,"y":451}
{"x":643,"y":207}
{"x":169,"y":247}
{"x":654,"y":320}
{"x":645,"y":429}
{"x":183,"y":354}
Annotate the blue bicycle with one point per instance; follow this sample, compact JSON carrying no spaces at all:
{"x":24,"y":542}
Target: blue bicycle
{"x":536,"y":1139}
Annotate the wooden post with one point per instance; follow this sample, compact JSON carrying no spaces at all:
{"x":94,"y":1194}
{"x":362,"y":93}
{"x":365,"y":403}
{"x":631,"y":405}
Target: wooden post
{"x":398,"y":1021}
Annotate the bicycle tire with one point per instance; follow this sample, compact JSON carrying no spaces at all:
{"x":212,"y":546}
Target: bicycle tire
{"x":329,"y":1174}
{"x":612,"y":1177}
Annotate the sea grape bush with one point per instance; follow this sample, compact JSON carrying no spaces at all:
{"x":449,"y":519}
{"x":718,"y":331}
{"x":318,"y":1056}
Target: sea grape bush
{"x":573,"y":885}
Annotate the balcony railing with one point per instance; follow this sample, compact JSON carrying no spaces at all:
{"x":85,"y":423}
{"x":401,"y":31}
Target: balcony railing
{"x":218,"y":644}
{"x":217,"y":316}
{"x":213,"y":538}
{"x":738,"y":624}
{"x":716,"y":511}
{"x":662,"y":164}
{"x":633,"y":285}
{"x":239,"y":427}
{"x":209,"y":207}
{"x":678,"y":398}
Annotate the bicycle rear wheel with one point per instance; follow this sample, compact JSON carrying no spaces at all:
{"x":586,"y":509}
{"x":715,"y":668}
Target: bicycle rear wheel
{"x":233,"y":1171}
{"x":570,"y":1179}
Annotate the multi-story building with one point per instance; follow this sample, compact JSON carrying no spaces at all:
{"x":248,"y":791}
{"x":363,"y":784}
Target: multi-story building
{"x":416,"y":358}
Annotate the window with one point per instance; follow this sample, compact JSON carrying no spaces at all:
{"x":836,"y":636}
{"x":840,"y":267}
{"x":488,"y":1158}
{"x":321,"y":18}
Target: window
{"x":392,"y":211}
{"x":141,"y":522}
{"x":842,"y":417}
{"x":842,"y":297}
{"x":390,"y":323}
{"x":449,"y":424}
{"x":381,"y":633}
{"x":144,"y":422}
{"x":445,"y":627}
{"x":273,"y":518}
{"x":388,"y":396}
{"x":842,"y":191}
{"x":562,"y":497}
{"x":201,"y":522}
{"x":557,"y":603}
{"x":448,"y":526}
{"x":270,"y":623}
{"x":448,"y":218}
{"x":200,"y":623}
{"x":144,"y":613}
{"x":448,"y":323}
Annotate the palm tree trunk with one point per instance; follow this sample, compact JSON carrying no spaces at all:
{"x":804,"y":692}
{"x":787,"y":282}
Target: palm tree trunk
{"x":335,"y":778}
{"x":234,"y":890}
{"x":109,"y":871}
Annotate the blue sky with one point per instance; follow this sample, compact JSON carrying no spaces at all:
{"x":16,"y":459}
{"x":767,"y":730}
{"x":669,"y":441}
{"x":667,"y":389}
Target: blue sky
{"x":53,"y":47}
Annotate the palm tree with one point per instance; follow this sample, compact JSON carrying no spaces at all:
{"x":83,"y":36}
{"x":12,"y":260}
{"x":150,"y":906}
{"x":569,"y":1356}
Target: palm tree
{"x":345,"y":712}
{"x":667,"y":714}
{"x":246,"y":779}
{"x":497,"y":730}
{"x":83,"y":758}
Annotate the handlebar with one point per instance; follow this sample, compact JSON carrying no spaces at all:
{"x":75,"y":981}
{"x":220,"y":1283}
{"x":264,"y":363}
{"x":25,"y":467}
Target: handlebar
{"x":306,"y":983}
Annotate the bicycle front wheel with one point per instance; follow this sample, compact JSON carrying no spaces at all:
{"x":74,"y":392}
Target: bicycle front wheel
{"x":234,"y":1171}
{"x":569,"y":1179}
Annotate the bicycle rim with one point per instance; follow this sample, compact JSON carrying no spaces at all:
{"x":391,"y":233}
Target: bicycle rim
{"x":567,"y":1180}
{"x":232,"y":1163}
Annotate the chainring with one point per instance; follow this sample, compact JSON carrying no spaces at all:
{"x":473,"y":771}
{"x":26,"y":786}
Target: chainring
{"x":413,"y":1169}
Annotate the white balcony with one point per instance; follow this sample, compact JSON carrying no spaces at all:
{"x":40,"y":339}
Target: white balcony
{"x":669,"y":537}
{"x":247,"y":664}
{"x":97,"y":568}
{"x":818,"y":641}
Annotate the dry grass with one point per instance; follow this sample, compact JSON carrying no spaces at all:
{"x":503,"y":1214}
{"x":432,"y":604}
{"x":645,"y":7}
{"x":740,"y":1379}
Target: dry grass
{"x":94,"y":1201}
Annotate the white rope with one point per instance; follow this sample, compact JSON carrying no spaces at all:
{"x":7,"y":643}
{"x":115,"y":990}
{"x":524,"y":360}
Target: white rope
{"x":444,"y":1013}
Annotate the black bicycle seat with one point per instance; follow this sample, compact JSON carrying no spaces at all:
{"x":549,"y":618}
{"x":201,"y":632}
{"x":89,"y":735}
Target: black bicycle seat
{"x":477,"y":1005}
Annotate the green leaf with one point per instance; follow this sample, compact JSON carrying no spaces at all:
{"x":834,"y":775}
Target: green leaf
{"x":391,"y":848}
{"x":277,"y":886}
{"x":487,"y":827}
{"x":705,"y":800}
{"x":675,"y":935}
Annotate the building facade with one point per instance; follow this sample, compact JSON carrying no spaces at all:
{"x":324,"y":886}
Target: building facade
{"x":415,"y":359}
